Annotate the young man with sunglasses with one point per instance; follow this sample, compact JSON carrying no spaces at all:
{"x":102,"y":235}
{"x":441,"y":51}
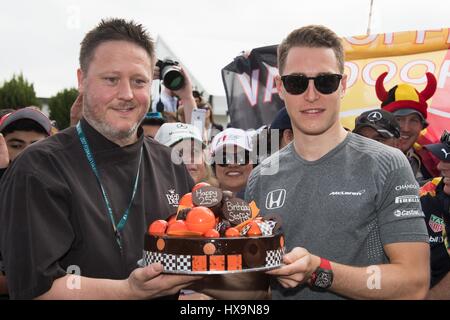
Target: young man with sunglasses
{"x":349,"y":234}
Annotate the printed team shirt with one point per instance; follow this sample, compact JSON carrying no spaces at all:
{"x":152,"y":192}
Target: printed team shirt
{"x":345,"y":207}
{"x":436,"y":205}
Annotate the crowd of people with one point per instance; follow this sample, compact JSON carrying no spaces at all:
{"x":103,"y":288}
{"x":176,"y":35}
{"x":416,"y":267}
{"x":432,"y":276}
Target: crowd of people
{"x":371,"y":199}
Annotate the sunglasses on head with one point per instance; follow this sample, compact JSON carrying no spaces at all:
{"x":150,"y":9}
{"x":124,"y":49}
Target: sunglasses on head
{"x":298,"y":83}
{"x":240,"y":159}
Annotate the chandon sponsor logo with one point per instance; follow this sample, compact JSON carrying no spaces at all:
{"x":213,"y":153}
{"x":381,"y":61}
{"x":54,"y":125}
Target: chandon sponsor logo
{"x":407,"y":187}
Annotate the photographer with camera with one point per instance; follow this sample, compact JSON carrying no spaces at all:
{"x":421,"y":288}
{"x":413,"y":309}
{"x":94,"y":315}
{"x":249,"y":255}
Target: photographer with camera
{"x":175,"y":88}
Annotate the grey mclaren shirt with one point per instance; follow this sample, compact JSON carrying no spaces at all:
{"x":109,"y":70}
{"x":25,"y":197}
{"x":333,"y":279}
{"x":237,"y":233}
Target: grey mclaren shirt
{"x":343,"y":207}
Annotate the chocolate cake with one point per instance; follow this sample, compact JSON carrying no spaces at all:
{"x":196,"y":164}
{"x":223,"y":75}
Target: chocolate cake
{"x":186,"y":244}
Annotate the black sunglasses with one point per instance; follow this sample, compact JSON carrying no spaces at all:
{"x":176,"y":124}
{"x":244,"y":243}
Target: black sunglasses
{"x":241,"y":159}
{"x":298,"y":83}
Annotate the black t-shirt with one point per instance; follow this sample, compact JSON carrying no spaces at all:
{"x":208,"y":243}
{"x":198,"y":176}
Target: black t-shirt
{"x":54,"y":217}
{"x":435,"y":205}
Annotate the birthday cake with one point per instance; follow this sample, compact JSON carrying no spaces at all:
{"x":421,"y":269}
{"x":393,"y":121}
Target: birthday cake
{"x":214,"y":233}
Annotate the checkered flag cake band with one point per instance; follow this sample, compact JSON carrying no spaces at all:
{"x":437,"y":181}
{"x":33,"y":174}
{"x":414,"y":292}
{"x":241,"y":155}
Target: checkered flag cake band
{"x":170,"y":262}
{"x":274,"y":257}
{"x":266,"y":227}
{"x":184,"y":263}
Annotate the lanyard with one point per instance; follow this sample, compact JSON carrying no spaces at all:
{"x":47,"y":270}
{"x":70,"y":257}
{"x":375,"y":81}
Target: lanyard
{"x":119,"y":227}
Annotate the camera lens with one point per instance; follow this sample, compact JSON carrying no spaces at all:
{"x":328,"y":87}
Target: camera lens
{"x":172,"y":77}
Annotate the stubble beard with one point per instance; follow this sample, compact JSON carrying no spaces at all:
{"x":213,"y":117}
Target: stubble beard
{"x":121,"y":138}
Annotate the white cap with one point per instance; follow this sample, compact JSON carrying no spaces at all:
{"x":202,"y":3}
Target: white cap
{"x":173,"y":132}
{"x":231,"y":136}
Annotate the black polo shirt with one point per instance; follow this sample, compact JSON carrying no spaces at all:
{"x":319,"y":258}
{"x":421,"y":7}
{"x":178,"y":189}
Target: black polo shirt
{"x":435,"y":205}
{"x":54,"y":216}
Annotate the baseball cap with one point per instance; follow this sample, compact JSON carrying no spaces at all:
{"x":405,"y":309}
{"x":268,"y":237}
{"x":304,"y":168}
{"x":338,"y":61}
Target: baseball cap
{"x":174,"y":132}
{"x":233,"y":137}
{"x":408,"y":111}
{"x":441,"y":150}
{"x":282,"y":120}
{"x":26,"y":113}
{"x":382,"y":121}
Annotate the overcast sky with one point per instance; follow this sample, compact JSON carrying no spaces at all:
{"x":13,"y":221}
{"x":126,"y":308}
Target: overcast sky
{"x":41,"y":38}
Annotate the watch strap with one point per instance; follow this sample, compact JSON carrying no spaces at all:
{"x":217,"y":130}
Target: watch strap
{"x":324,"y":265}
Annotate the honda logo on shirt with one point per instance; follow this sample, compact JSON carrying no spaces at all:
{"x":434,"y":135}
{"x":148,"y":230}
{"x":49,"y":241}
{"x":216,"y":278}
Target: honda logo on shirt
{"x":275,"y":199}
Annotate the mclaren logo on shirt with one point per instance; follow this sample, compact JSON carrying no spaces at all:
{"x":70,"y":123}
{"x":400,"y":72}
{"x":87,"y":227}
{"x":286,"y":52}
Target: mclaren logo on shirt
{"x":172,"y":197}
{"x":348,"y":193}
{"x":275,"y":199}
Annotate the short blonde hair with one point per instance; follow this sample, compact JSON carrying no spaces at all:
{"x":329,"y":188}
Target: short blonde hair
{"x":312,"y":36}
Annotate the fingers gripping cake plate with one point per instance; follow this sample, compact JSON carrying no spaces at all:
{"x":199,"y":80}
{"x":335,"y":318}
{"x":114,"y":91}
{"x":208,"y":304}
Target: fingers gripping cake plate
{"x":214,"y":233}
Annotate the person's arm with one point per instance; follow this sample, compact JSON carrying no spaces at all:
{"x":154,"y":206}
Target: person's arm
{"x":405,"y":277}
{"x":143,"y":283}
{"x":187,"y":99}
{"x":441,"y":291}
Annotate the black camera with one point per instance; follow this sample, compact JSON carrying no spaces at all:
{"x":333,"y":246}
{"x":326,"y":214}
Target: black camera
{"x":170,"y":74}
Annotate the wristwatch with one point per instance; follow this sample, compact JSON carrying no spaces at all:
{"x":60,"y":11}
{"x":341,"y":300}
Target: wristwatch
{"x":322,"y":278}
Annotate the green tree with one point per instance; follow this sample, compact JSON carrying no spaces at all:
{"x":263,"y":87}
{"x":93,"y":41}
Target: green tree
{"x":60,"y":105}
{"x":17,"y":93}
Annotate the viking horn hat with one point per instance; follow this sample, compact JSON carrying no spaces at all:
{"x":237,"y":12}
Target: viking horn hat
{"x":405,"y":96}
